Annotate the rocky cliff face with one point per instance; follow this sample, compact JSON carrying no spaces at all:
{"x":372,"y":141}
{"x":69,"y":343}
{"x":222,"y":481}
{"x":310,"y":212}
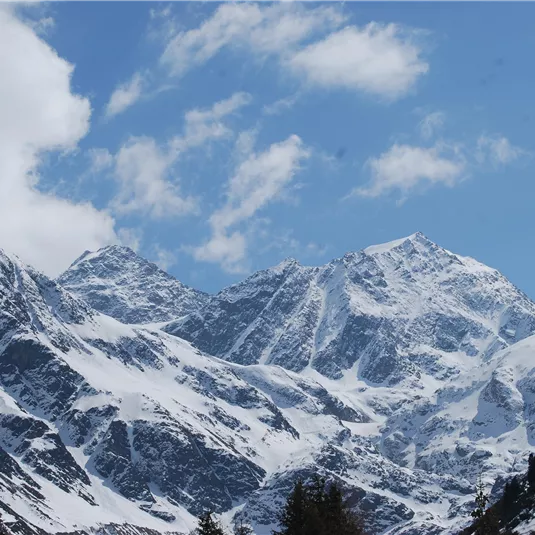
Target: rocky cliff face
{"x":403,"y":371}
{"x":388,"y":314}
{"x":121,"y":284}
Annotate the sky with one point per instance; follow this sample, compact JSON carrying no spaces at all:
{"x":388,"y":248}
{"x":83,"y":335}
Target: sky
{"x":217,"y":139}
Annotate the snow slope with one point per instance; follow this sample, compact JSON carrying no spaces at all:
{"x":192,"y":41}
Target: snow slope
{"x":404,"y":312}
{"x":403,"y":371}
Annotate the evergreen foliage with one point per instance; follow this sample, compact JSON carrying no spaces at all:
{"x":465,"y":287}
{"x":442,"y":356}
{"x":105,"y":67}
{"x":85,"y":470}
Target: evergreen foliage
{"x":208,"y":526}
{"x":242,"y":528}
{"x":531,"y":472}
{"x":489,"y":524}
{"x":516,"y":505}
{"x":294,"y":514}
{"x":511,"y":500}
{"x":481,"y":500}
{"x":318,"y":509}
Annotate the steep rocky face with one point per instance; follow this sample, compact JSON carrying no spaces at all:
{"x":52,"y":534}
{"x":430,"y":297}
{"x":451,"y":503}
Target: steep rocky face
{"x":402,"y":371}
{"x":119,"y":283}
{"x":71,"y":377}
{"x":395,"y":312}
{"x":103,"y":422}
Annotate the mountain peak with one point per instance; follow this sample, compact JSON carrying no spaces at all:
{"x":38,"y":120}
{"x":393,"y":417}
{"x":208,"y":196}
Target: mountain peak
{"x":10,"y":258}
{"x":357,"y":369}
{"x":386,"y":302}
{"x":118,"y":282}
{"x":285,"y":264}
{"x":417,"y":237}
{"x":107,"y":251}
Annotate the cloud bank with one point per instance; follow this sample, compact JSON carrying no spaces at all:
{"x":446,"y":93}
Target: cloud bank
{"x":39,"y":113}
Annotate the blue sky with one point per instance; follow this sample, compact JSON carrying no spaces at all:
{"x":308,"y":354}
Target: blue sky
{"x":218,"y":139}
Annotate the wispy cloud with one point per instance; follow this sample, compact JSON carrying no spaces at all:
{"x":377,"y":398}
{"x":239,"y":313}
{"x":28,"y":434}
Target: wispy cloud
{"x":383,"y":60}
{"x":288,"y":245}
{"x":281,"y":105}
{"x":145,"y":170}
{"x":164,"y":258}
{"x":100,"y":160}
{"x":497,"y":149}
{"x":404,"y":167}
{"x":202,"y":125}
{"x":263,"y":29}
{"x":259,"y":179}
{"x":44,"y":25}
{"x":125,"y":95}
{"x":147,"y":184}
{"x":316,"y":45}
{"x":431,"y":124}
{"x":131,"y":237}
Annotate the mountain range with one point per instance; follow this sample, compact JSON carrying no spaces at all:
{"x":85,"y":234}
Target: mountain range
{"x":130,"y":402}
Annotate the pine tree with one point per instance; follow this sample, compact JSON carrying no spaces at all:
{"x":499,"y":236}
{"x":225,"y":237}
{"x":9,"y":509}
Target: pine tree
{"x":335,"y":508}
{"x":481,"y":500}
{"x":318,"y":509}
{"x":316,"y":504}
{"x":531,"y":472}
{"x":489,"y":523}
{"x":353,"y":524}
{"x":511,"y":502}
{"x":293,"y":516}
{"x":208,"y":526}
{"x":340,"y":516}
{"x":242,"y":528}
{"x":487,"y":520}
{"x":315,"y":491}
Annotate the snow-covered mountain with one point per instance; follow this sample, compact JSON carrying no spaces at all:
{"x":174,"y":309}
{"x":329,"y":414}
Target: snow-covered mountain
{"x":403,"y":371}
{"x":118,"y":282}
{"x":398,"y":312}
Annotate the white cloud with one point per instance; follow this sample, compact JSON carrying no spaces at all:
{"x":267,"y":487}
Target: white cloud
{"x":404,"y":167}
{"x":100,"y":160}
{"x":280,"y":106}
{"x":229,"y":250}
{"x":164,"y":258}
{"x":286,"y":244}
{"x":143,"y":171}
{"x":431,"y":123}
{"x":125,"y":95}
{"x":202,"y":125}
{"x":384,"y":60}
{"x":497,"y":149}
{"x":131,"y":237}
{"x":377,"y":59}
{"x":270,"y":29}
{"x":43,"y":26}
{"x":39,"y":113}
{"x":259,"y":179}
